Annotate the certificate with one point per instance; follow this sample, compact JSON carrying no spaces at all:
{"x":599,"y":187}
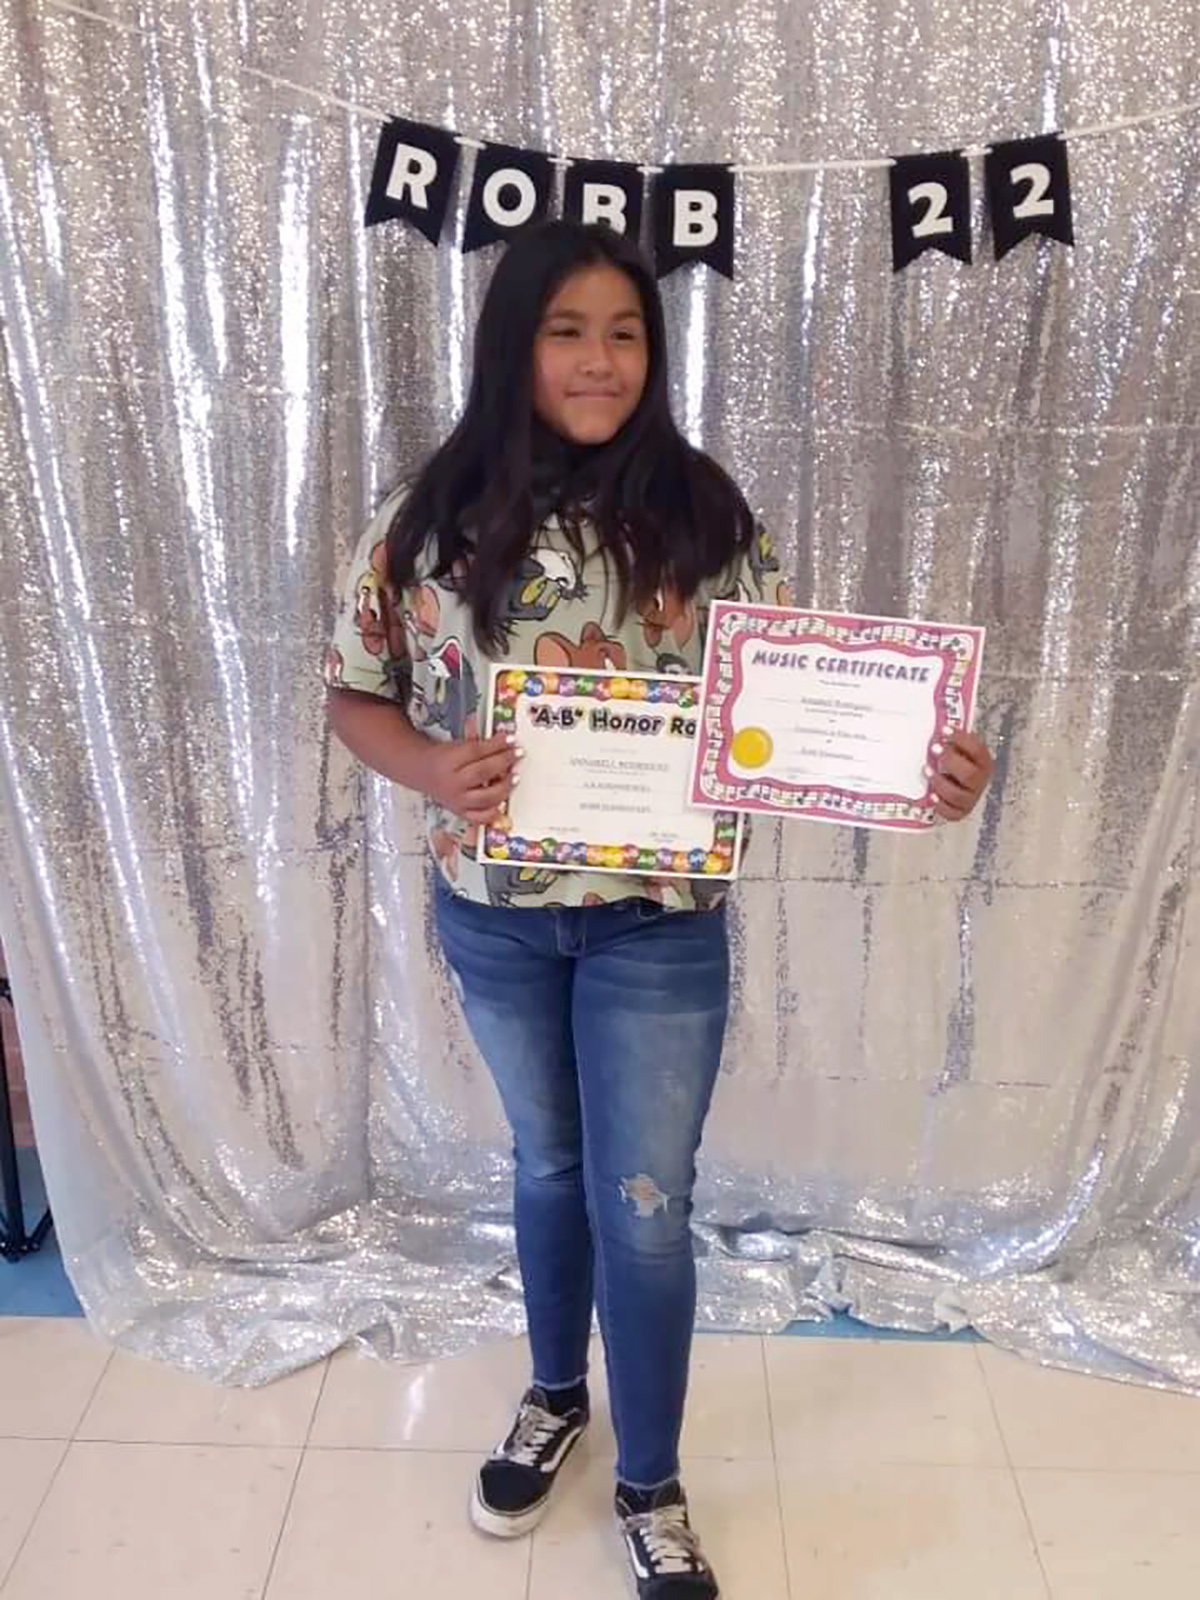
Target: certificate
{"x":605,"y":776}
{"x":832,"y":717}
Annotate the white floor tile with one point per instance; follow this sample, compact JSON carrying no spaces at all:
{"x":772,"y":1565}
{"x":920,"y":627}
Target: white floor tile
{"x":391,"y":1523}
{"x":147,"y":1522}
{"x":578,"y":1535}
{"x":727,"y":1413}
{"x":906,"y":1532}
{"x":49,"y":1367}
{"x":466,"y":1402}
{"x":1070,"y":1420}
{"x":459,"y":1403}
{"x":1116,"y":1535}
{"x":733,"y":1506}
{"x":26,"y":1468}
{"x":858,"y":1400}
{"x":155,"y":1403}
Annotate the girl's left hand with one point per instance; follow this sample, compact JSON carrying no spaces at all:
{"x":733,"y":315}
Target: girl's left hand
{"x":962,"y":774}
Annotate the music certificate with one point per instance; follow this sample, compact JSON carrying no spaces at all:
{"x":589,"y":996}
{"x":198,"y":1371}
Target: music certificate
{"x":605,"y":776}
{"x":831,"y":717}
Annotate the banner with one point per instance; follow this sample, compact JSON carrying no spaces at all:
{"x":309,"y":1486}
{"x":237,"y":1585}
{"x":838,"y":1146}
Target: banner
{"x":1029,"y":191}
{"x":693,"y":218}
{"x":1027,"y":186}
{"x":604,"y":191}
{"x":414,"y":168}
{"x":511,"y":189}
{"x":931,"y":207}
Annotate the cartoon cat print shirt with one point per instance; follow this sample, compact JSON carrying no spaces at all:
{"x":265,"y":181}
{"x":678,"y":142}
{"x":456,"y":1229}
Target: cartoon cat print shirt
{"x":416,"y":646}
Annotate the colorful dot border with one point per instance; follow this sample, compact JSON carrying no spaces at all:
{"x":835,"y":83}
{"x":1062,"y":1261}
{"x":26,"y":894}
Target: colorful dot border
{"x":499,"y":846}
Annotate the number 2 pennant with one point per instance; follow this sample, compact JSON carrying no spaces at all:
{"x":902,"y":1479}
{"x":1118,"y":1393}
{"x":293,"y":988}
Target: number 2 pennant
{"x":931,"y":207}
{"x":1029,"y":191}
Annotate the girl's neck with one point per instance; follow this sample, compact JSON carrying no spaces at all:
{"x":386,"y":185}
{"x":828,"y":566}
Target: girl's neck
{"x":559,"y":469}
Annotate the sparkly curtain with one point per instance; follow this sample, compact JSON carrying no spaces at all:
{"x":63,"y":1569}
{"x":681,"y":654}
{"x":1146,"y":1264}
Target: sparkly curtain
{"x":962,"y":1082}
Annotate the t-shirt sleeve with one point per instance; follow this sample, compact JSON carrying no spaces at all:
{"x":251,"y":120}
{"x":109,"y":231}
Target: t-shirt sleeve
{"x":367,"y":649}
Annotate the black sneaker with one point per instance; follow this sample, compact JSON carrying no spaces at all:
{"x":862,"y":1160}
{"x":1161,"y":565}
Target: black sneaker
{"x":664,"y":1550}
{"x":514,"y":1483}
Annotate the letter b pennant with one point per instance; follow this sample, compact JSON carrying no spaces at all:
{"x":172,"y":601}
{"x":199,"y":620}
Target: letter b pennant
{"x":693,"y":218}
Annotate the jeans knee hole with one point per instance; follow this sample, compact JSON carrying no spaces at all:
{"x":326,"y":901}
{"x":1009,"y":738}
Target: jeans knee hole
{"x":644,"y":1195}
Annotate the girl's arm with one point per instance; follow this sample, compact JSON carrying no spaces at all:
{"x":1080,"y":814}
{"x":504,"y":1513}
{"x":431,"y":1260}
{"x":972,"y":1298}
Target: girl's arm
{"x":470,"y":777}
{"x":379,"y":733}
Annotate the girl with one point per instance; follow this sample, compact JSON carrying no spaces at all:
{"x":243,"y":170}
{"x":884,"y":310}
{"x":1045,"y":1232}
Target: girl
{"x":566,"y":522}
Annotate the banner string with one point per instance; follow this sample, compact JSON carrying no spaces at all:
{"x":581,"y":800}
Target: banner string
{"x":756,"y":168}
{"x":1092,"y":131}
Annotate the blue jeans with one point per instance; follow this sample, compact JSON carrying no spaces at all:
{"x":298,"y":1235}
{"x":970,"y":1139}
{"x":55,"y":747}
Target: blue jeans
{"x":602,"y":1026}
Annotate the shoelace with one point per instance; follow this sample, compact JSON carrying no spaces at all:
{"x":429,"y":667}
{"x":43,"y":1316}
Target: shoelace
{"x":670,"y":1543}
{"x":532,"y":1432}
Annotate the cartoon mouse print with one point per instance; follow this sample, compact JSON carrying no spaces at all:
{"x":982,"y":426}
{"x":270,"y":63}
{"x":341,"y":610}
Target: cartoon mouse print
{"x":542,"y":579}
{"x":508,"y":884}
{"x":422,"y":620}
{"x":674,"y":620}
{"x":379,"y":623}
{"x":706,"y":893}
{"x":662,"y":891}
{"x":378,"y":618}
{"x":451,"y":698}
{"x":669,"y":615}
{"x":594,"y":651}
{"x":762,"y":560}
{"x":449,"y":847}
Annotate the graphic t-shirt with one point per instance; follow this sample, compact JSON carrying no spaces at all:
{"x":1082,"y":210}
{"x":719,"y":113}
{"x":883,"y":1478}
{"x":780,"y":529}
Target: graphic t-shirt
{"x":416,"y":646}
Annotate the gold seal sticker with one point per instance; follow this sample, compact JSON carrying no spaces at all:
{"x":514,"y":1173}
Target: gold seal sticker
{"x":752,"y":747}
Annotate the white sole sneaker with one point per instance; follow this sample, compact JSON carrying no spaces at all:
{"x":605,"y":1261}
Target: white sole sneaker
{"x":515,"y":1524}
{"x":499,"y":1525}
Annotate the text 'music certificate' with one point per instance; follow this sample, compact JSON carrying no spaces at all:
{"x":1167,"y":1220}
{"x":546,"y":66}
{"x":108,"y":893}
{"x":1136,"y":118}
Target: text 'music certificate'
{"x":605,"y":776}
{"x":830,"y":717}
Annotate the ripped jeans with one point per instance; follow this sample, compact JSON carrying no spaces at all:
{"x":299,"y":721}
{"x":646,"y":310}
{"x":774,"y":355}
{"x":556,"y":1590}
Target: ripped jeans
{"x":602,"y":1026}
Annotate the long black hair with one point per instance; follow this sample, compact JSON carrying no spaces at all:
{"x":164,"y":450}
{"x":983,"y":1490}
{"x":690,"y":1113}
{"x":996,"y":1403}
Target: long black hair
{"x":667,"y":515}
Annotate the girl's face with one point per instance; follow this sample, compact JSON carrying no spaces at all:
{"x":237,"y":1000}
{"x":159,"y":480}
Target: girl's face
{"x":591,"y":355}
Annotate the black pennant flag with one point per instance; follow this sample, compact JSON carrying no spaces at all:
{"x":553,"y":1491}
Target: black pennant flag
{"x":511,"y":189}
{"x":1029,"y":191}
{"x":414,"y":168}
{"x":604,"y":191}
{"x":931,"y":207}
{"x":693,"y":218}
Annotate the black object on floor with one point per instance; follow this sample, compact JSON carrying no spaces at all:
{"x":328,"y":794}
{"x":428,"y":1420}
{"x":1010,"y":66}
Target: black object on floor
{"x":15,"y":1242}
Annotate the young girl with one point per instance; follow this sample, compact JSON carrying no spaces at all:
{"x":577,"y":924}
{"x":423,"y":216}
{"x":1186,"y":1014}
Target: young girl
{"x":567,"y":523}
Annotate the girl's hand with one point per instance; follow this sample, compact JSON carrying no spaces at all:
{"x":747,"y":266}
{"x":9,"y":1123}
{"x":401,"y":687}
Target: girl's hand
{"x":963,"y":770}
{"x":472,"y":777}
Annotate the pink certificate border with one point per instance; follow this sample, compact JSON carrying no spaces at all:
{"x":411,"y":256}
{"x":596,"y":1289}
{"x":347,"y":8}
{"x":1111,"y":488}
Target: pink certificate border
{"x":733,"y":626}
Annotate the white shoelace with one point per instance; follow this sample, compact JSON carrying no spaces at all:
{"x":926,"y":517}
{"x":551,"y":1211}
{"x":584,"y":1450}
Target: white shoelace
{"x":533,"y":1431}
{"x":670,"y":1543}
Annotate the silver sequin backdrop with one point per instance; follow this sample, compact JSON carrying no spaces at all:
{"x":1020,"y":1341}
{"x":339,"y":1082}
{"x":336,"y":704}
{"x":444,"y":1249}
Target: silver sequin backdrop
{"x":962,"y":1083}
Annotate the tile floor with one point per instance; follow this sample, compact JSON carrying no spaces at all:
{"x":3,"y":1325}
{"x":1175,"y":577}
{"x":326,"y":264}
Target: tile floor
{"x":817,"y":1468}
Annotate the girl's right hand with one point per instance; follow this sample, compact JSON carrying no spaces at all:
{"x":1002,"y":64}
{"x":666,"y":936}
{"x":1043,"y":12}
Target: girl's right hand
{"x":473,"y":777}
